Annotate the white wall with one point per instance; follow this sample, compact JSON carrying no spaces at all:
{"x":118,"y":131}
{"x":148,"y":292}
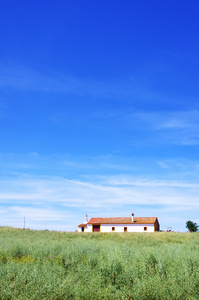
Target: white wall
{"x":130,"y":228}
{"x":89,"y":228}
{"x":120,"y":228}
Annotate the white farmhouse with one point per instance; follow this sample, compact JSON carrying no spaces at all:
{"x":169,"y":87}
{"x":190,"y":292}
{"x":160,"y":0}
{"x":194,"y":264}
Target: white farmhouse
{"x":127,"y":224}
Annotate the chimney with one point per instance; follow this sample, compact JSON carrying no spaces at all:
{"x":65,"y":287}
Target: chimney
{"x":86,"y":219}
{"x":132,"y":217}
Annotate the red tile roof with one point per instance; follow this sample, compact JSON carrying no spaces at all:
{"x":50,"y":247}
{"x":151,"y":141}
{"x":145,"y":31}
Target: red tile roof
{"x":126,"y":220}
{"x":82,"y":225}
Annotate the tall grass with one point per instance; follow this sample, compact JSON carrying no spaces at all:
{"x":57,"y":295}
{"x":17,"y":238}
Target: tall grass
{"x":58,"y":265}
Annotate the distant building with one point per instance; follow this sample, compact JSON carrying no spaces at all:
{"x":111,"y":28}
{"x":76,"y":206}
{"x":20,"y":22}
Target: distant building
{"x":127,"y":224}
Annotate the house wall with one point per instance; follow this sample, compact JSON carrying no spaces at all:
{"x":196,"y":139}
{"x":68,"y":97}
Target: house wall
{"x":130,"y":228}
{"x":89,"y":228}
{"x":120,"y":228}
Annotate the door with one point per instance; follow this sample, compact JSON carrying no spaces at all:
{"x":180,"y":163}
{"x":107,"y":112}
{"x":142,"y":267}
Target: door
{"x":96,"y":228}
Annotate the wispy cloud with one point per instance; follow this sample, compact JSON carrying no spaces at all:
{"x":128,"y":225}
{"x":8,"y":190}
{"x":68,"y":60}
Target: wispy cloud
{"x":131,"y":89}
{"x":177,"y":127}
{"x":164,"y":119}
{"x":19,"y":77}
{"x":37,"y":218}
{"x":36,"y":197}
{"x":173,"y":127}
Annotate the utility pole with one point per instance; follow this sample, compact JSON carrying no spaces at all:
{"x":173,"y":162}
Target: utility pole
{"x":24,"y":226}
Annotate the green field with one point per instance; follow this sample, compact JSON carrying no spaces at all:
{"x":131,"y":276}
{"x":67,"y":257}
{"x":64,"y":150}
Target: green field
{"x":60,"y":265}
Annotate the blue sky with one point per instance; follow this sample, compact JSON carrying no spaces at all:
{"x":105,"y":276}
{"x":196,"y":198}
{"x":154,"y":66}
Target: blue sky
{"x":99,"y":112}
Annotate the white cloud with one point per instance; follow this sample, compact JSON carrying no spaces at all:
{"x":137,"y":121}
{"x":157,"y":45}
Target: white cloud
{"x":37,"y":218}
{"x":52,"y":200}
{"x":162,"y":120}
{"x":22,"y":78}
{"x":178,"y":127}
{"x":60,"y":202}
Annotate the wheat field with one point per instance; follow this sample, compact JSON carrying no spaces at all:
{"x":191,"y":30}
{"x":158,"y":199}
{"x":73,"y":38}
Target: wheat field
{"x":62,"y":265}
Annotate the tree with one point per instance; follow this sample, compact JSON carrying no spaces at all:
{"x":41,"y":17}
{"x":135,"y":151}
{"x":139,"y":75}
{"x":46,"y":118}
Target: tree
{"x":193,"y":227}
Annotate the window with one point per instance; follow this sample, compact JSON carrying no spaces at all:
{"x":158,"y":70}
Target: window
{"x":125,"y":229}
{"x":145,"y":228}
{"x":113,"y":228}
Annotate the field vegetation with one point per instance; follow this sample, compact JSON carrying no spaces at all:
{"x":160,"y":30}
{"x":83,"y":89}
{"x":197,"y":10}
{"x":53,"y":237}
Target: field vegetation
{"x":61,"y":265}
